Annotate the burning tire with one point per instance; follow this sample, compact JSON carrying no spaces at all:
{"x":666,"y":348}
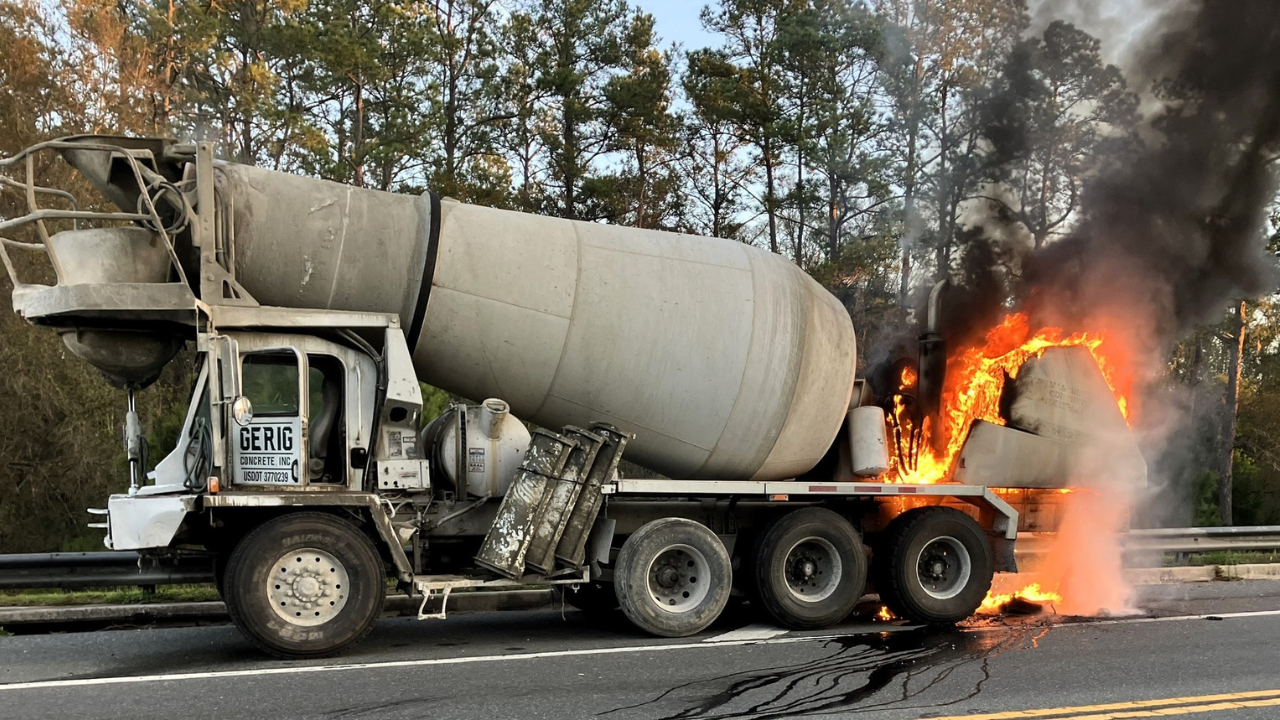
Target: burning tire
{"x":810,"y":569}
{"x":673,"y":577}
{"x":305,"y":585}
{"x":934,"y":565}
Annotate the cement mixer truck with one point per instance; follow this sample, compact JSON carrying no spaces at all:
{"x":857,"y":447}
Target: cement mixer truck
{"x":306,"y":470}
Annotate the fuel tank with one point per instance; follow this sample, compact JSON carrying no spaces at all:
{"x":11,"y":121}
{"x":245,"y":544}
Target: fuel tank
{"x":725,"y":361}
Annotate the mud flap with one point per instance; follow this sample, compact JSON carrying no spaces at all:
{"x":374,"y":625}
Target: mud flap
{"x":1003,"y":550}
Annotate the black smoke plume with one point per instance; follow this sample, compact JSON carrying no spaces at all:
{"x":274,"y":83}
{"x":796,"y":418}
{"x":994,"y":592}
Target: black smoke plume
{"x":1172,"y":234}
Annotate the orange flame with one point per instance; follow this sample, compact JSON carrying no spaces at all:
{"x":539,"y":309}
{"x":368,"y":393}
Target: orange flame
{"x":975,"y":381}
{"x":885,"y":615}
{"x":909,"y":377}
{"x":994,"y":603}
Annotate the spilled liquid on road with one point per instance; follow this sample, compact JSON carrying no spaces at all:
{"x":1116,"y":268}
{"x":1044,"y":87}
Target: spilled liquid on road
{"x":904,"y":670}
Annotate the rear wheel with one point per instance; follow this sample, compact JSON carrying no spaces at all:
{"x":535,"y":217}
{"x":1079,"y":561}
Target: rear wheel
{"x":304,"y":585}
{"x":810,"y":569}
{"x":934,"y":565}
{"x":673,"y":577}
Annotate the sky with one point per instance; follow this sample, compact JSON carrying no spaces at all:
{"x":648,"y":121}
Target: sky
{"x":1117,"y":22}
{"x":677,"y":21}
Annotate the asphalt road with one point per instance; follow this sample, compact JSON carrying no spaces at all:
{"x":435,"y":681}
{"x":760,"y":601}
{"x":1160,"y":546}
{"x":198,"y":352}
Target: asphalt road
{"x":552,"y":664}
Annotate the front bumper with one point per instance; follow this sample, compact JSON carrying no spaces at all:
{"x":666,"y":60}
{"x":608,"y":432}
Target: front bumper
{"x":146,"y":522}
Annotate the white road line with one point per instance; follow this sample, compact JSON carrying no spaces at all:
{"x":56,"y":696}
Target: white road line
{"x":758,"y":631}
{"x":305,"y":669}
{"x":1128,"y":621}
{"x":716,"y":642}
{"x":1222,"y":616}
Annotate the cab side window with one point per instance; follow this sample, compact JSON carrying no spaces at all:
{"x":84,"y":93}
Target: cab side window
{"x":270,"y":381}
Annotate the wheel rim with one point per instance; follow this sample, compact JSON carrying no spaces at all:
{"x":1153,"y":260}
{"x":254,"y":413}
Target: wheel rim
{"x":812,"y":569}
{"x":679,"y":578}
{"x":308,"y":587}
{"x":944,"y":567}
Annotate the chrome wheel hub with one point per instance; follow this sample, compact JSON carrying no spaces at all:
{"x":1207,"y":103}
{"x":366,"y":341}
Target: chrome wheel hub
{"x":308,"y":587}
{"x":679,"y":578}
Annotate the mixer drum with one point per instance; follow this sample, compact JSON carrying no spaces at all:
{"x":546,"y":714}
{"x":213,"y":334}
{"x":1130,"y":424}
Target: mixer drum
{"x":724,"y":360}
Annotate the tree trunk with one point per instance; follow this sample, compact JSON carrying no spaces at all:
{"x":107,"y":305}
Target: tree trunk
{"x":769,"y":208}
{"x":642,"y":173}
{"x":569,"y":167}
{"x":800,"y":204}
{"x":909,"y":180}
{"x":162,"y":123}
{"x":357,"y":146}
{"x":1235,"y":360}
{"x":833,"y":218}
{"x":946,"y":207}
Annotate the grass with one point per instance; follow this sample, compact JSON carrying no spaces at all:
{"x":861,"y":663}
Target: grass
{"x":1226,"y":557}
{"x":108,"y":596}
{"x":5,"y":633}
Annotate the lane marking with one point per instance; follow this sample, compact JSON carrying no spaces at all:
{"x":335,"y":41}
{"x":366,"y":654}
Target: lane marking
{"x":1140,"y":708}
{"x":1192,"y":710}
{"x":758,"y":631}
{"x":1206,"y":616}
{"x":308,"y":669}
{"x":1131,"y":620}
{"x":128,"y":680}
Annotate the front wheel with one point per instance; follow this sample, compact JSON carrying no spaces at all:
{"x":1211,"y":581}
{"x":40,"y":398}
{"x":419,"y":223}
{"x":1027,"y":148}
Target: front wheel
{"x":673,"y":577}
{"x":934,"y":565}
{"x":305,"y":585}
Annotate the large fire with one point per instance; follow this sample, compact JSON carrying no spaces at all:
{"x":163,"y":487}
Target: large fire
{"x":975,"y":380}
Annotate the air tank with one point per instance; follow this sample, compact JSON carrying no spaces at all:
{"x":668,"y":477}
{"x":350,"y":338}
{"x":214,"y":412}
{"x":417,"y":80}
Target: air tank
{"x":725,"y":361}
{"x":495,"y":444}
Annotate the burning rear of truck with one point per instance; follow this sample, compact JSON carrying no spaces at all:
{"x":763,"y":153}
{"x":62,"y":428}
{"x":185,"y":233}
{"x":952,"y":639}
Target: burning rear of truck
{"x":1042,"y":416}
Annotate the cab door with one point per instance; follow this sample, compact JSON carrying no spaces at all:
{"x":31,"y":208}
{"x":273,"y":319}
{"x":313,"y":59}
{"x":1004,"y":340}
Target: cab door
{"x":270,"y":448}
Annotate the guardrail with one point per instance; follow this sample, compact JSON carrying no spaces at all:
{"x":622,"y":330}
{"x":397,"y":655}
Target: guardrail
{"x":124,"y":569}
{"x":1175,"y":540}
{"x":100,"y":569}
{"x":1190,"y":540}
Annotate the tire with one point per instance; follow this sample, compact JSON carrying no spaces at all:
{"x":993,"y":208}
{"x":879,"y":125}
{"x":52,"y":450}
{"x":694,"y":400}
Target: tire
{"x":326,"y":560}
{"x":810,"y":569}
{"x":938,"y":540}
{"x":673,"y":577}
{"x":594,"y":598}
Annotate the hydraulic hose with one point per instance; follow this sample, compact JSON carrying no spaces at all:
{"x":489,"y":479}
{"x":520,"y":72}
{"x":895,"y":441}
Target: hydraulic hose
{"x":198,"y":460}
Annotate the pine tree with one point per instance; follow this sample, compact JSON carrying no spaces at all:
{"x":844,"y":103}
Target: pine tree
{"x":582,"y":47}
{"x":470,"y":102}
{"x":1055,"y":112}
{"x":939,"y":52}
{"x":747,"y":78}
{"x":643,"y":130}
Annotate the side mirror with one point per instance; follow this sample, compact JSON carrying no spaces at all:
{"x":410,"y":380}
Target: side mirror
{"x":242,"y":410}
{"x":227,"y":354}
